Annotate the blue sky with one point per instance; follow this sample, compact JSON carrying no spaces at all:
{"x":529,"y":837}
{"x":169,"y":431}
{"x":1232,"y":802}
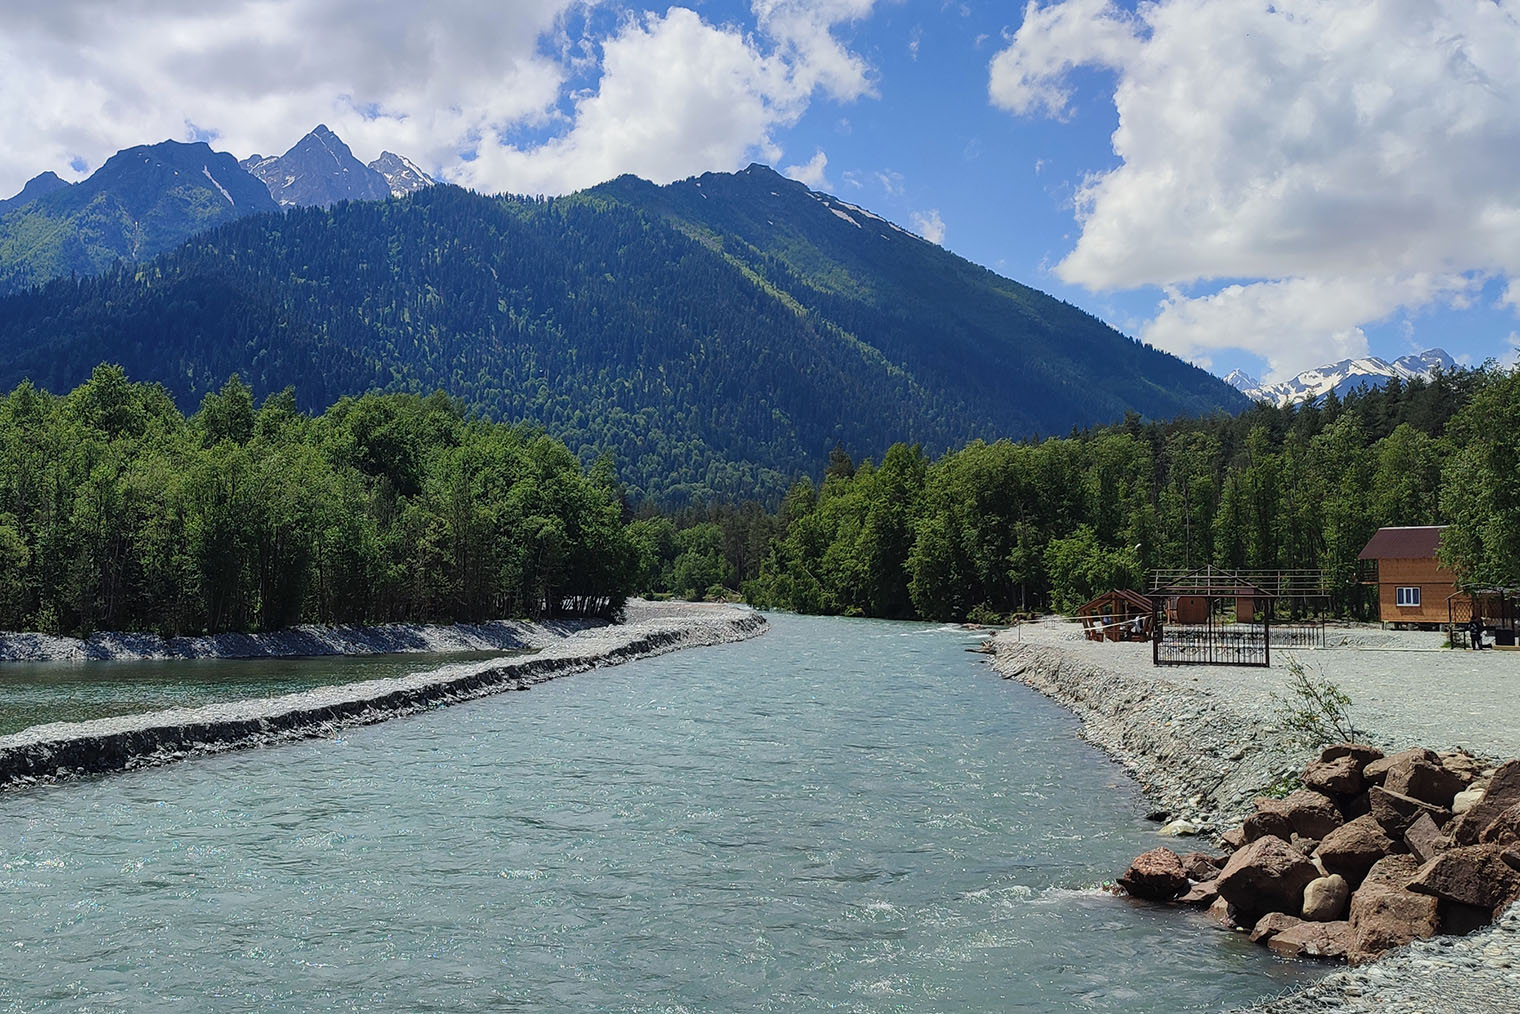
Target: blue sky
{"x":1262,"y":187}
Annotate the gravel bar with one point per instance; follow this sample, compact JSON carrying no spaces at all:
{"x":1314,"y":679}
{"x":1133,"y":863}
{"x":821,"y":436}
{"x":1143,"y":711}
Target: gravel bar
{"x":1205,"y":740}
{"x":64,"y":750}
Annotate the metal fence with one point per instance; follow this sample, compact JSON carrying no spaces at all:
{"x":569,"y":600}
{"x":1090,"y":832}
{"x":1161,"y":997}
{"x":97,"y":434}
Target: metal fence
{"x":1243,"y":644}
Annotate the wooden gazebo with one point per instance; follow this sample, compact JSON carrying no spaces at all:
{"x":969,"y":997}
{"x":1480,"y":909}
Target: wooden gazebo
{"x":1118,"y":615}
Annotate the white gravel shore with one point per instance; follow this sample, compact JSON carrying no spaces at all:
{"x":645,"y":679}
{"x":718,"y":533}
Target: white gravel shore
{"x":1203,"y":740}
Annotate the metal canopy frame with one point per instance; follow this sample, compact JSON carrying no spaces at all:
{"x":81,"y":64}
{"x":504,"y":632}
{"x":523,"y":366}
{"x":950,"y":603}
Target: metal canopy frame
{"x":1213,"y":642}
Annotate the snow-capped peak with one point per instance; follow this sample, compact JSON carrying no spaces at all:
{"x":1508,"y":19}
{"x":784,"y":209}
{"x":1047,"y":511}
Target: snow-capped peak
{"x":1242,"y":381}
{"x":401,"y":173}
{"x":1342,"y":377}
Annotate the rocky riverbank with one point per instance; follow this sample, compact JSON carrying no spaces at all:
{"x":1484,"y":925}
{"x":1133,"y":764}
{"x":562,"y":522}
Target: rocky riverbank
{"x":68,"y":750}
{"x":307,"y":641}
{"x":1201,"y":759}
{"x":1205,"y":754}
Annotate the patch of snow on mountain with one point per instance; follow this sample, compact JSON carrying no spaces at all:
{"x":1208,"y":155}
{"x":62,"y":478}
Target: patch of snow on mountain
{"x":1242,"y":381}
{"x":846,"y":217}
{"x":214,"y":183}
{"x":862,"y":211}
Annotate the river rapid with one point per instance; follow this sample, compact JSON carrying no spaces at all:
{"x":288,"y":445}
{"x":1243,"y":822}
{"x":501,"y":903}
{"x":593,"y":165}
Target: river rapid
{"x":841,"y":814}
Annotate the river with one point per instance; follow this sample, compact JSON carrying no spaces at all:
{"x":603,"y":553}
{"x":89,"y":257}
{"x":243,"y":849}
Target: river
{"x":841,"y":814}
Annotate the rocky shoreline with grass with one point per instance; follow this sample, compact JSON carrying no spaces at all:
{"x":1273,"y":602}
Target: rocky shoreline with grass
{"x":1205,"y":746}
{"x":61,"y":751}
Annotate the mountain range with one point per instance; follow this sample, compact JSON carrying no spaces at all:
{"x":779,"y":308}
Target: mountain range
{"x":716,"y":336}
{"x":1343,"y":377}
{"x":151,"y":198}
{"x":320,"y":170}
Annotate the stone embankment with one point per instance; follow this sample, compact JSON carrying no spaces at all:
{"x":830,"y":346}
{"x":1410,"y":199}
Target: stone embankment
{"x":307,"y":641}
{"x":1206,"y":755}
{"x":67,"y":750}
{"x":1373,"y":853}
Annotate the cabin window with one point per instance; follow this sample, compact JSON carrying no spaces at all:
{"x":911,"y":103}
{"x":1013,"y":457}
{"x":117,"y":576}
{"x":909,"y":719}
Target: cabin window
{"x":1407,"y":596}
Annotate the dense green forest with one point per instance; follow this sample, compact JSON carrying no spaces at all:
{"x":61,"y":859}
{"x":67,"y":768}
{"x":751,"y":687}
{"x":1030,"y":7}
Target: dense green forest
{"x":119,"y":513}
{"x":714,"y":358}
{"x":996,"y":529}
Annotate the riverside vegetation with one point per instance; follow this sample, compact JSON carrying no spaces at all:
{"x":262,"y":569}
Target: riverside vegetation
{"x":117,"y":512}
{"x":1008,"y":527}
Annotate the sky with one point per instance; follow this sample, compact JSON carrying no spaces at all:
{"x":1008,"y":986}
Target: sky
{"x":1267,"y":187}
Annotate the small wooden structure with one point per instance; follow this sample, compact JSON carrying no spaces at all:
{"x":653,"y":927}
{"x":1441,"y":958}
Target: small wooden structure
{"x":1118,"y":615}
{"x":1498,"y":609}
{"x":1413,"y":587}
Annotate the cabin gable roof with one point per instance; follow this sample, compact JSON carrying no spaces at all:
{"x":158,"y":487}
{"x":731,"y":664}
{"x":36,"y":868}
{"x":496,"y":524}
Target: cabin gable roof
{"x":1412,"y":543}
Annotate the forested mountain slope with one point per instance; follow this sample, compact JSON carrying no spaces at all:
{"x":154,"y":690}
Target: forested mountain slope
{"x":716,"y":355}
{"x":1028,"y":361}
{"x":141,"y":202}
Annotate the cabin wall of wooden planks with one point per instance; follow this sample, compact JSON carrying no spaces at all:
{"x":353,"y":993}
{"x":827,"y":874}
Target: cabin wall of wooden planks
{"x":1434,"y":581}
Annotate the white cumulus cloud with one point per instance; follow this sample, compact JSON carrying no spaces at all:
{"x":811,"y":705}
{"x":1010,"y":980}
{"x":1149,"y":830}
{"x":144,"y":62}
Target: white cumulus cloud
{"x":814,"y":172}
{"x":929,"y":225}
{"x":1358,"y":153}
{"x":519,"y":96}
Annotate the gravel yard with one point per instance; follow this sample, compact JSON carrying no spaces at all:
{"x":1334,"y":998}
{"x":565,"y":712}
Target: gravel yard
{"x":1405,"y":688}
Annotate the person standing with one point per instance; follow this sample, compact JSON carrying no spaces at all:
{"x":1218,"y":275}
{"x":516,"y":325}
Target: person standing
{"x":1475,"y":630}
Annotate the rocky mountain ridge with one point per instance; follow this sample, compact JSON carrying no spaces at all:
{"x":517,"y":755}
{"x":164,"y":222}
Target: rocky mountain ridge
{"x":141,"y":202}
{"x":150,"y":198}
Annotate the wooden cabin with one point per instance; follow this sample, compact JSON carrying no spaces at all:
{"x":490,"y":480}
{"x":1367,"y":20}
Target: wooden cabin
{"x":1118,"y":615}
{"x":1413,"y":586}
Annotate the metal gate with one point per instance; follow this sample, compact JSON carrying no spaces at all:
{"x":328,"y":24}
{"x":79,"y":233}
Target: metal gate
{"x":1246,"y":644}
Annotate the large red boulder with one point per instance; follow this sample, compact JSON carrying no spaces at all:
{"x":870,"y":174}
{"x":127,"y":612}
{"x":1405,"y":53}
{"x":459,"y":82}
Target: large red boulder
{"x":1385,"y":914}
{"x":1425,"y":840}
{"x":1201,"y":866}
{"x":1267,"y":875}
{"x":1267,"y":822}
{"x":1339,"y":777}
{"x":1271,"y":924}
{"x":1352,"y":848}
{"x":1503,"y":792}
{"x":1377,"y":770}
{"x":1475,"y":875}
{"x":1200,"y":895}
{"x":1329,"y":941}
{"x":1396,"y":811}
{"x":1424,"y":780}
{"x":1306,"y":813}
{"x":1155,"y":876}
{"x":1505,"y":829}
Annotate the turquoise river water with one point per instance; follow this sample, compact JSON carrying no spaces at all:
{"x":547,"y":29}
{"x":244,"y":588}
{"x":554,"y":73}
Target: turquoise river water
{"x":840,"y":815}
